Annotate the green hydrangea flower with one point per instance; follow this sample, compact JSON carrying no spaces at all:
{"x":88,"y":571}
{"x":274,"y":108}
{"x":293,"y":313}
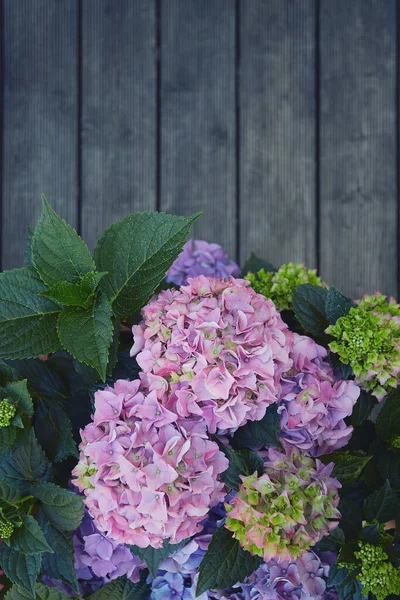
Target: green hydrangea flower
{"x":7,"y":413}
{"x":368,"y":339}
{"x":6,"y":529}
{"x":377,"y":575}
{"x":395,"y":443}
{"x":279,"y":286}
{"x":288,"y":509}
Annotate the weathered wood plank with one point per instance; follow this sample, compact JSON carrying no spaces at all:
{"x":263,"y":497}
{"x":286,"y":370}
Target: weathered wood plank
{"x":358,"y":145}
{"x":198,"y":115}
{"x":40,"y":117}
{"x":118,"y":112}
{"x":277,"y":130}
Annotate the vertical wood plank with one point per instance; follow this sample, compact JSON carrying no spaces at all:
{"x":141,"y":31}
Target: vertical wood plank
{"x":358,"y":145}
{"x":277,"y":130}
{"x":118,"y":111}
{"x":40,"y":117}
{"x":198,"y":115}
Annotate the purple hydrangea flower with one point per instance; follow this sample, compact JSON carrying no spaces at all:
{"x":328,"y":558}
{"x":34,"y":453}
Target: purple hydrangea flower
{"x":201,"y":258}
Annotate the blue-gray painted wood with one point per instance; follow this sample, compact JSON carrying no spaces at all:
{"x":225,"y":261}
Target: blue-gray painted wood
{"x":358,"y":145}
{"x":39,"y":117}
{"x":277,"y":118}
{"x":277,"y":130}
{"x":197,"y":162}
{"x":118,"y":111}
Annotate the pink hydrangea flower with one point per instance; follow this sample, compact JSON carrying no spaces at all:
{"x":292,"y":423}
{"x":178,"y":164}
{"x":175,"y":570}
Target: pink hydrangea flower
{"x":147,"y":476}
{"x":314,"y":403}
{"x":214,"y":349}
{"x":201,"y":258}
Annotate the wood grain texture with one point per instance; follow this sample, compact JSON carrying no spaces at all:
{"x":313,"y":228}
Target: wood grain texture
{"x":198,"y":115}
{"x":358,"y":145}
{"x":118,"y":111}
{"x":277,"y":130}
{"x":40,"y":117}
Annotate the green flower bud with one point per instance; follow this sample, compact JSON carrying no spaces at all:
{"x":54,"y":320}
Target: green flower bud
{"x":6,"y":529}
{"x":7,"y":413}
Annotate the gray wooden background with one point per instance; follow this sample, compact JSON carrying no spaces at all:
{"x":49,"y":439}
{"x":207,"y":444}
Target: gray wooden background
{"x":278,"y":118}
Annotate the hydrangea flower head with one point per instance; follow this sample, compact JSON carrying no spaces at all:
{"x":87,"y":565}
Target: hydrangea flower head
{"x":201,"y":258}
{"x":368,"y":339}
{"x":377,"y":575}
{"x":6,"y":529}
{"x":214,"y":349}
{"x":280,"y":285}
{"x":314,"y":405}
{"x":147,"y":476}
{"x":288,"y":509}
{"x":7,"y":412}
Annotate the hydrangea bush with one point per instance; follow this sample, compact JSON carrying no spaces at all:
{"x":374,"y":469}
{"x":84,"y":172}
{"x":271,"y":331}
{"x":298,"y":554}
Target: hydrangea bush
{"x":172,"y":427}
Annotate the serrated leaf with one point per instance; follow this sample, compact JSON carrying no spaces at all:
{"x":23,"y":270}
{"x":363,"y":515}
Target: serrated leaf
{"x":225,"y":563}
{"x":382,"y":505}
{"x":123,"y":589}
{"x":255,"y":264}
{"x":29,"y":538}
{"x":351,"y":591}
{"x":42,"y":593}
{"x":309,"y":308}
{"x":42,"y":379}
{"x":362,"y":409}
{"x":9,"y":492}
{"x":154,"y":556}
{"x":337,"y":305}
{"x":21,"y":569}
{"x":18,"y":392}
{"x":337,"y":575}
{"x":58,"y":253}
{"x":8,"y":435}
{"x":241,"y":462}
{"x":137,"y":251}
{"x":53,"y":430}
{"x":27,"y":321}
{"x":75,"y":294}
{"x":87,"y":333}
{"x":348,"y":466}
{"x":370,"y":533}
{"x":59,"y":565}
{"x":64,"y":509}
{"x":25,"y":463}
{"x":388,"y":420}
{"x":7,"y":374}
{"x":255,"y":434}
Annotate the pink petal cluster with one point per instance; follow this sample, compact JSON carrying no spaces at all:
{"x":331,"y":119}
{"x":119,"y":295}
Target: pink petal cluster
{"x":147,"y":476}
{"x":314,"y":403}
{"x":201,"y":258}
{"x":214,"y":349}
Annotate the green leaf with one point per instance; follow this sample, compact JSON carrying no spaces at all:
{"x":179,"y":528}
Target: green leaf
{"x":28,"y":262}
{"x":362,"y":408}
{"x":64,"y":509}
{"x":370,"y":533}
{"x":9,"y":492}
{"x":87,"y":333}
{"x":21,"y":569}
{"x":53,"y":430}
{"x":59,"y":254}
{"x":241,"y":462}
{"x":255,"y":264}
{"x":337,"y":305}
{"x":27,"y":321}
{"x":60,"y":564}
{"x":388,"y":421}
{"x":255,"y":434}
{"x":137,"y":252}
{"x":75,"y":294}
{"x":29,"y":538}
{"x":42,"y":593}
{"x":7,"y":374}
{"x":351,"y":591}
{"x":18,"y":392}
{"x":382,"y":505}
{"x":26,"y":463}
{"x":348,"y":465}
{"x":42,"y":379}
{"x":309,"y":308}
{"x":153,"y":557}
{"x":123,"y":589}
{"x":225,"y":563}
{"x":337,"y":575}
{"x":8,"y":435}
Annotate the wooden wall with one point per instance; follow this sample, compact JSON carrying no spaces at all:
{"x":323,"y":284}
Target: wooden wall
{"x":278,"y":118}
